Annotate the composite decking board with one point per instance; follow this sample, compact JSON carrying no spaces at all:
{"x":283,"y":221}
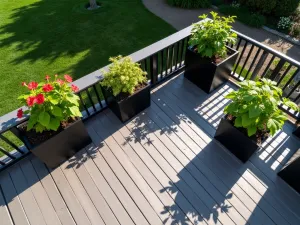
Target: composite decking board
{"x":288,"y":215}
{"x":148,"y":176}
{"x":55,"y":197}
{"x":287,"y":189}
{"x":69,"y":197}
{"x":169,"y":167}
{"x":133,"y":210}
{"x":111,"y":198}
{"x":12,"y":199}
{"x":134,"y":184}
{"x":5,"y":218}
{"x":101,"y":205}
{"x":137,"y":178}
{"x":39,"y":193}
{"x":30,"y":206}
{"x":80,"y":192}
{"x":181,"y":207}
{"x":165,"y":119}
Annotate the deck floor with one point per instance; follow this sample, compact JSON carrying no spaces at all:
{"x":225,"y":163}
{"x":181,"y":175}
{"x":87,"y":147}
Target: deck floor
{"x":163,"y":167}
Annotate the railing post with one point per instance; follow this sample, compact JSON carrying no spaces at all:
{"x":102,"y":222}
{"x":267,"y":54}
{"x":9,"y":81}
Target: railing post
{"x":154,"y":68}
{"x":259,"y":65}
{"x":277,"y":70}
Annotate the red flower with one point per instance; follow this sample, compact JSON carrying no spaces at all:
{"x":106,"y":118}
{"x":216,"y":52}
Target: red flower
{"x":32,"y":85}
{"x":60,"y":81}
{"x":31,"y":100}
{"x":47,"y":77}
{"x":40,"y":98}
{"x":47,"y":88}
{"x":74,"y":88}
{"x":23,"y":83}
{"x":20,"y":113}
{"x":68,"y":78}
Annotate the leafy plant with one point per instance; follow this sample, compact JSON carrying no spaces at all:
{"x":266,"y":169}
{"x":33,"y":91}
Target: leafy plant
{"x":50,"y":103}
{"x":255,"y":106}
{"x":285,"y":7}
{"x":263,"y":6}
{"x":189,"y":4}
{"x":123,"y":75}
{"x":284,"y":23}
{"x":209,"y":37}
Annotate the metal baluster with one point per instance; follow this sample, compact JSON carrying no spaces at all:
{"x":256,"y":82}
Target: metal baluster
{"x":284,"y":74}
{"x":268,"y":66}
{"x":277,"y":69}
{"x":82,"y":102}
{"x":259,"y":65}
{"x":153,"y":68}
{"x":7,"y":153}
{"x":91,"y":100}
{"x":238,"y":62}
{"x":11,"y":144}
{"x":249,"y":54}
{"x":290,"y":80}
{"x":97,"y":95}
{"x":252,"y":64}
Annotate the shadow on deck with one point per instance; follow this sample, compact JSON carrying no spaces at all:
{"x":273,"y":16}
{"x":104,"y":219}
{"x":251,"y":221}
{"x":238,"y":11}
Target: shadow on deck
{"x":163,"y":167}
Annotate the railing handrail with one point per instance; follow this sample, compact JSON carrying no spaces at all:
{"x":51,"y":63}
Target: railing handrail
{"x":10,"y":120}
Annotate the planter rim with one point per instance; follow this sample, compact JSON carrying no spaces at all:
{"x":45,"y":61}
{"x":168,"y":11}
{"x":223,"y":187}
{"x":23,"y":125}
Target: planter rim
{"x":130,"y":96}
{"x":224,"y":60}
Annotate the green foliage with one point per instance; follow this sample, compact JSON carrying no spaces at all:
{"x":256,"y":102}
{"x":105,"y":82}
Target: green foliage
{"x":210,"y":36}
{"x":285,"y":7}
{"x":123,"y":75}
{"x":255,"y":106}
{"x":189,"y":4}
{"x":263,"y":6}
{"x":244,"y":15}
{"x":49,"y":104}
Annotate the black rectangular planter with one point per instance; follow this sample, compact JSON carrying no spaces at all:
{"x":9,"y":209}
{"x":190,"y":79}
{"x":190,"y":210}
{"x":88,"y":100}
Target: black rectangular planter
{"x":291,"y":172}
{"x":204,"y":73}
{"x":132,"y":105}
{"x":61,"y":146}
{"x":235,"y":140}
{"x":297,"y":132}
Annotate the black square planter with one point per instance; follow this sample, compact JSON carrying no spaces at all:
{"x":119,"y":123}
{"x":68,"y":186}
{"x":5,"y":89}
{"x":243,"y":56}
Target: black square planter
{"x":204,"y":73}
{"x":297,"y":132}
{"x":235,"y":140}
{"x":61,"y":146}
{"x":127,"y":108}
{"x":291,"y":171}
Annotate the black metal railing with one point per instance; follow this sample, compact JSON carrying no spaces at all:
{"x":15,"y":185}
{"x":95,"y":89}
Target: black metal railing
{"x":161,"y":60}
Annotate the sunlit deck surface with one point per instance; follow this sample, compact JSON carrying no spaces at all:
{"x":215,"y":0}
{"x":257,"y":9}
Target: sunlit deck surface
{"x":163,"y":167}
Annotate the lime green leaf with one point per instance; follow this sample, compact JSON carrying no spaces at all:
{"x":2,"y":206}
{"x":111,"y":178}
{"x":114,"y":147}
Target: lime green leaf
{"x":75,"y":111}
{"x":53,"y":100}
{"x":238,"y":122}
{"x":248,"y":98}
{"x":31,"y":122}
{"x":254,"y":111}
{"x":251,"y":130}
{"x":246,"y":121}
{"x":39,"y":128}
{"x":231,"y":95}
{"x":44,"y":118}
{"x":273,"y":126}
{"x":54,"y":124}
{"x":56,"y":111}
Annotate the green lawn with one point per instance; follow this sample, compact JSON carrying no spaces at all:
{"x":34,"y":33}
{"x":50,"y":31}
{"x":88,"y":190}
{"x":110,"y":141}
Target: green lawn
{"x":61,"y":36}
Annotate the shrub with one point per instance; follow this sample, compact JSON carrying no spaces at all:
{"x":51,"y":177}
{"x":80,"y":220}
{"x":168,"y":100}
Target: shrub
{"x":123,"y":75}
{"x":189,"y":4}
{"x":285,"y":23}
{"x":261,"y":6}
{"x":255,"y":107}
{"x":295,"y":30}
{"x":285,"y":7}
{"x":50,"y":104}
{"x":210,"y":36}
{"x":244,"y":15}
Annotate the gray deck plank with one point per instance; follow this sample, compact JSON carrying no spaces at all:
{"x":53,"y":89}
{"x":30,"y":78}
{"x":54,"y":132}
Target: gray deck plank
{"x":69,"y":197}
{"x":137,"y":178}
{"x":5,"y":218}
{"x":56,"y":199}
{"x":26,"y":197}
{"x":116,"y":185}
{"x":274,"y":203}
{"x":39,"y":193}
{"x":80,"y":192}
{"x":110,"y":197}
{"x":179,"y":207}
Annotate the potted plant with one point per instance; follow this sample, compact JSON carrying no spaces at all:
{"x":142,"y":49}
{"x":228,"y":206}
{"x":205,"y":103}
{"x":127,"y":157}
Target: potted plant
{"x":209,"y":61}
{"x":127,"y":84}
{"x":54,"y":131}
{"x":251,"y":117}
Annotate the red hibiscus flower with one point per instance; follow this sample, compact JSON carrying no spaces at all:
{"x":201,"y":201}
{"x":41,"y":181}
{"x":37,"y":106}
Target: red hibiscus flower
{"x":31,"y":100}
{"x":74,"y":88}
{"x":60,"y":81}
{"x":68,"y":78}
{"x":40,"y":98}
{"x":47,"y":88}
{"x":32,"y":85}
{"x":20,"y":113}
{"x":47,"y":77}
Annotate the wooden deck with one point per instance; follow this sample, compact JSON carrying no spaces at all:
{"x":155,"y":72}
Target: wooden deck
{"x":163,"y":167}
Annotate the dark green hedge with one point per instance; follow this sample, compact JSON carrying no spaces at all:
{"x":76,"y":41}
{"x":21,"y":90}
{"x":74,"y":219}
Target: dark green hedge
{"x":189,"y":4}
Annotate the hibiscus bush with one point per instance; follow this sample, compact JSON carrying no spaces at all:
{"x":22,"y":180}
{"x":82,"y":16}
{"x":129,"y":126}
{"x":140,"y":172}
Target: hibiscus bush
{"x":50,"y":103}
